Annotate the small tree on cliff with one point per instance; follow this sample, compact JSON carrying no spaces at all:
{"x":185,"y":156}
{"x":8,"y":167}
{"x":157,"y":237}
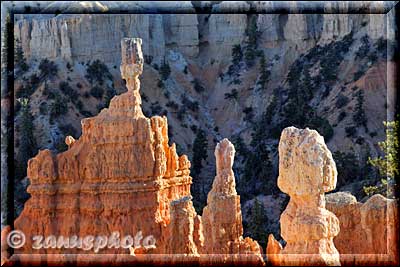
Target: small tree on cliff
{"x":48,"y":69}
{"x":19,"y":58}
{"x":251,"y":43}
{"x":359,"y":115}
{"x":257,"y":223}
{"x":165,"y":70}
{"x":199,"y":154}
{"x":388,"y":165}
{"x":27,"y":144}
{"x":237,"y":54}
{"x":264,"y":72}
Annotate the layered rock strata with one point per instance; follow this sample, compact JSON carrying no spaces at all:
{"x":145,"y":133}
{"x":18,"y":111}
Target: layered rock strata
{"x":368,"y":231}
{"x":119,"y":176}
{"x":306,"y":172}
{"x":222,"y":217}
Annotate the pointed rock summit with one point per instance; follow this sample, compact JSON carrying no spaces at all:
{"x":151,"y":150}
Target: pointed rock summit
{"x":119,"y":176}
{"x":222,"y":217}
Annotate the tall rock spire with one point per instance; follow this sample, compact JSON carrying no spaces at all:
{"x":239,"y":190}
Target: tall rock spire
{"x":120,"y":175}
{"x":132,"y":62}
{"x":222,"y":217}
{"x":306,"y":172}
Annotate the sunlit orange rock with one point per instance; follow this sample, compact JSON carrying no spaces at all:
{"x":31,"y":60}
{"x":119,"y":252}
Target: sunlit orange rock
{"x":222,"y":217}
{"x":306,"y":172}
{"x":369,"y":232}
{"x":4,"y":244}
{"x":119,"y":176}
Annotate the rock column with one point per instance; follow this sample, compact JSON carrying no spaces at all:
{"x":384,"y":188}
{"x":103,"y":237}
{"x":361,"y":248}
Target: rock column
{"x":222,"y":217}
{"x":306,"y":172}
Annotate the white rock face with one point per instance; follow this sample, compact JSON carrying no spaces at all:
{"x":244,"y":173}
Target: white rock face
{"x":224,"y":31}
{"x":181,"y":31}
{"x":90,"y":37}
{"x":96,"y":36}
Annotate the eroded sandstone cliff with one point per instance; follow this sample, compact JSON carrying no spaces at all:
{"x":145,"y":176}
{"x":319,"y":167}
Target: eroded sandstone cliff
{"x":120,"y":175}
{"x":369,"y":232}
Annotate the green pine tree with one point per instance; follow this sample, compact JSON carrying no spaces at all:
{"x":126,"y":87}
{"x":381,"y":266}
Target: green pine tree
{"x":258,"y":222}
{"x":165,"y":71}
{"x":359,"y":115}
{"x":27,"y":145}
{"x":237,"y":54}
{"x":199,"y":154}
{"x":19,"y":58}
{"x":388,"y":165}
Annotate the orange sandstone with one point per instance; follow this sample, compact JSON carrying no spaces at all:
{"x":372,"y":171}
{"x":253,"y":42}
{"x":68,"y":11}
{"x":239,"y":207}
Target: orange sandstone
{"x":222,"y":217}
{"x":369,"y":232}
{"x":306,"y":172}
{"x":119,"y":176}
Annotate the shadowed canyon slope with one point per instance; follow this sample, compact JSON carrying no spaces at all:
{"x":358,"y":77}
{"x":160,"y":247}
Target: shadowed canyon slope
{"x":122,"y":176}
{"x":214,"y":76}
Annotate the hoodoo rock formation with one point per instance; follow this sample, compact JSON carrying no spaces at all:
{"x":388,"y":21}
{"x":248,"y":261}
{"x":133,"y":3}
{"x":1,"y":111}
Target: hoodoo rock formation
{"x":306,"y":172}
{"x":122,"y":176}
{"x":119,"y":176}
{"x":368,"y":231}
{"x":222,"y":217}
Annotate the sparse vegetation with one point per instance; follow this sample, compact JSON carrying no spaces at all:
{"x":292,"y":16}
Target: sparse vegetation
{"x":97,"y":91}
{"x":148,"y":59}
{"x":258,"y":221}
{"x":19,"y":58}
{"x":48,"y":69}
{"x":347,"y":165}
{"x":249,"y":114}
{"x":251,"y":42}
{"x":350,"y":131}
{"x":234,"y":94}
{"x":165,"y":70}
{"x":193,"y":128}
{"x":237,"y":57}
{"x":155,"y":108}
{"x":199,"y":154}
{"x":68,"y":91}
{"x":68,"y":129}
{"x":27,"y":144}
{"x":264,"y":72}
{"x":144,"y":96}
{"x":359,"y":117}
{"x":191,"y":105}
{"x":58,"y":108}
{"x":198,"y":87}
{"x":388,"y":165}
{"x":98,"y":72}
{"x":172,"y":104}
{"x":341,"y":116}
{"x":341,"y":101}
{"x":237,"y":54}
{"x":110,"y":93}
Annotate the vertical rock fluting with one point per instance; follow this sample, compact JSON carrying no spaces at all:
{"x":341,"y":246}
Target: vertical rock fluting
{"x":181,"y":235}
{"x":375,"y":223}
{"x":222,"y":217}
{"x":120,"y":175}
{"x":306,"y":172}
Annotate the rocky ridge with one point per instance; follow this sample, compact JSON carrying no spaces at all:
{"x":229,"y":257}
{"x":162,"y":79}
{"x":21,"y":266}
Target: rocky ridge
{"x":206,"y":59}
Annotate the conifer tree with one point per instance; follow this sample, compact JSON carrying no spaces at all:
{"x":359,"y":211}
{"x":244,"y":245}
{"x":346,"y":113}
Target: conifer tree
{"x":27,"y":145}
{"x":257,"y":223}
